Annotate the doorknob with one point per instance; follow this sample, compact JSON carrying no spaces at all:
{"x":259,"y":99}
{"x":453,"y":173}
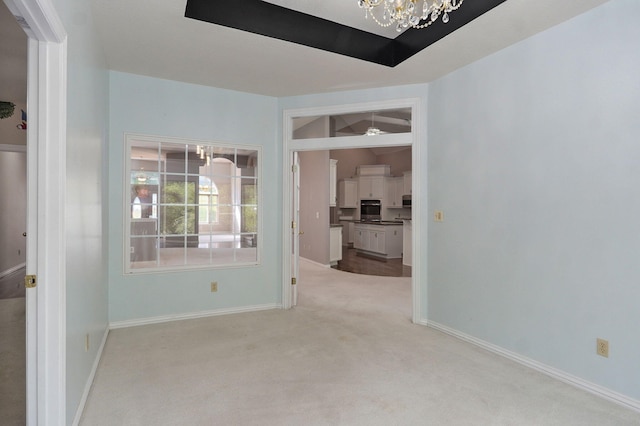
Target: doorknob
{"x":24,"y":234}
{"x":301,"y":232}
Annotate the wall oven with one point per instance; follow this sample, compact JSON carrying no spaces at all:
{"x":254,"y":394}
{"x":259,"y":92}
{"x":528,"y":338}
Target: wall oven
{"x":370,"y":210}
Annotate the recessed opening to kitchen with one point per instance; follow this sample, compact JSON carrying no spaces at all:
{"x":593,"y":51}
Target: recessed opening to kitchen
{"x":368,"y":205}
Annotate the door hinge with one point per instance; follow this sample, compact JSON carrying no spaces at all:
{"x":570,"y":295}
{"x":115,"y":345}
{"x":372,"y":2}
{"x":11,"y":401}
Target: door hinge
{"x":293,"y":280}
{"x":29,"y":281}
{"x":293,"y":224}
{"x":294,"y":168}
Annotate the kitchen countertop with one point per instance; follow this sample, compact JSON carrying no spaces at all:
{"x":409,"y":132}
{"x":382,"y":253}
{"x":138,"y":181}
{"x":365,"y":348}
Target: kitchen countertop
{"x":383,"y":223}
{"x":335,"y":225}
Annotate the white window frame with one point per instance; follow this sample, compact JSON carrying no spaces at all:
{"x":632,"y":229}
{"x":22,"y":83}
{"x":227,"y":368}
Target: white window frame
{"x":132,"y":138}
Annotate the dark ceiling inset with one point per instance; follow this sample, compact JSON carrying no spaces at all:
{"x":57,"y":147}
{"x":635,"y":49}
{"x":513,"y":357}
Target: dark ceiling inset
{"x":274,"y":21}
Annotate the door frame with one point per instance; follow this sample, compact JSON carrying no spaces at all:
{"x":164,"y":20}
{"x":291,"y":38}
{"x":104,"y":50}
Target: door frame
{"x":46,"y":184}
{"x":412,"y":139}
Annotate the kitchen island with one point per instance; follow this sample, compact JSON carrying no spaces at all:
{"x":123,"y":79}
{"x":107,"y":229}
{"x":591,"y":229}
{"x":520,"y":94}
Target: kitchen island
{"x":381,"y":239}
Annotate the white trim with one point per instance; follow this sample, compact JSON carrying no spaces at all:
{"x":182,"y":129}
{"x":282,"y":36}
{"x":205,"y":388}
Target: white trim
{"x":39,"y":20}
{"x":193,"y":315}
{"x":46,"y":249}
{"x":92,"y":375}
{"x":314,"y":262}
{"x":12,"y":270}
{"x":577,"y":382}
{"x":51,"y":245}
{"x":12,"y":148}
{"x":413,"y":139}
{"x":129,"y":140}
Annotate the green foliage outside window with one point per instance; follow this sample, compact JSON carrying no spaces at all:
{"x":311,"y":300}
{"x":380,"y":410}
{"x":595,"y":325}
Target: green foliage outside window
{"x":174,"y":220}
{"x":250,"y":209}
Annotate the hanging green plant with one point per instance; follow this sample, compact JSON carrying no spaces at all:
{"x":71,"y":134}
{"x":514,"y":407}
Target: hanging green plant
{"x":6,"y":109}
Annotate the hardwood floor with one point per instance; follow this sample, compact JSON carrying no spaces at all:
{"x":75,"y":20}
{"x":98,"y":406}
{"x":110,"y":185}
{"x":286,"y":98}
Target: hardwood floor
{"x":365,"y":265}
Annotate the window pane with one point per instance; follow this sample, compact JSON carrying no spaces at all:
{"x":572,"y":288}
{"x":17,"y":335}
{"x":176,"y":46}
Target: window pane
{"x":190,"y":204}
{"x":371,"y":123}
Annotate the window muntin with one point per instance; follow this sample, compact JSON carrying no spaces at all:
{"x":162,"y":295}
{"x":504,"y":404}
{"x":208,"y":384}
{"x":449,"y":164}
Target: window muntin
{"x":190,"y":205}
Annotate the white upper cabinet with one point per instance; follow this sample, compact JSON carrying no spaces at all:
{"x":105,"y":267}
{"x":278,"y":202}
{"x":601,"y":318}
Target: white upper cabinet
{"x":371,"y":187}
{"x":407,"y":183}
{"x":394,"y":190}
{"x":348,"y":194}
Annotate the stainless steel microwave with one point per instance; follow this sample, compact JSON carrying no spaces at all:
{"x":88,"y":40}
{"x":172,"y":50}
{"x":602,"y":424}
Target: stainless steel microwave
{"x":406,"y":201}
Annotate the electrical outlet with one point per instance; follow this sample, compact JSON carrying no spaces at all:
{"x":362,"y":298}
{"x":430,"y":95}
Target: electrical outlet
{"x":438,"y":216}
{"x":602,"y":347}
{"x":86,"y":342}
{"x":214,"y":286}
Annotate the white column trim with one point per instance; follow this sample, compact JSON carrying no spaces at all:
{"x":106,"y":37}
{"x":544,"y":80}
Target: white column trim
{"x":46,"y":183}
{"x":290,"y":145}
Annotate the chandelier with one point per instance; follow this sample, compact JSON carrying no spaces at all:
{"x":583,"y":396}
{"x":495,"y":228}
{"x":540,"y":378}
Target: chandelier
{"x":407,"y":13}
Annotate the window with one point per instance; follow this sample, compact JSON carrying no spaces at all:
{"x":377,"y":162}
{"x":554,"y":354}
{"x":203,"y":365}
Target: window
{"x":190,"y":204}
{"x":208,"y":200}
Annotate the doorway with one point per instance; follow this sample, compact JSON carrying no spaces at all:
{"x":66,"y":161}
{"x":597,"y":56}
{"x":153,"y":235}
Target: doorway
{"x":293,"y":145}
{"x":13,"y":202}
{"x":13,"y":212}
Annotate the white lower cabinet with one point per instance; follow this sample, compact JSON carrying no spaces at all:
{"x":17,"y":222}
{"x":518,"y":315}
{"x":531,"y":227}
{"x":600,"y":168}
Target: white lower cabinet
{"x":348,"y":232}
{"x":407,"y":247}
{"x":379,"y":240}
{"x":335,"y":244}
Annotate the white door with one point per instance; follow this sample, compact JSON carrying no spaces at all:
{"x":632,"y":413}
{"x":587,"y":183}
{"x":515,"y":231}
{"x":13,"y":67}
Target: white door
{"x":295,"y":231}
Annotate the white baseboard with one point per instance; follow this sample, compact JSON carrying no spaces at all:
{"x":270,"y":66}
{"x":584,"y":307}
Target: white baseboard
{"x":314,"y":262}
{"x":12,"y":270}
{"x":585,"y":385}
{"x":87,"y":387}
{"x":202,"y":314}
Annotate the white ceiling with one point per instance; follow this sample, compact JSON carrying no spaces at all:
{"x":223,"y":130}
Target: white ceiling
{"x":152,"y":37}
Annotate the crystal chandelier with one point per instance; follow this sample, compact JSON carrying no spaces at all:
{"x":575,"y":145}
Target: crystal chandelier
{"x":407,"y":13}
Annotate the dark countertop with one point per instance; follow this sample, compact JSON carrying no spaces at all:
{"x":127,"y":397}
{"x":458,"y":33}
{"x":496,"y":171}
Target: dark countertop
{"x":383,"y":223}
{"x":335,"y":225}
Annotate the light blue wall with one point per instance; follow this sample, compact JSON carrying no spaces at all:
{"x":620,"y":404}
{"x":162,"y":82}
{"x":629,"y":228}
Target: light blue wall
{"x":535,"y":159}
{"x":87,"y":118}
{"x":151,"y":106}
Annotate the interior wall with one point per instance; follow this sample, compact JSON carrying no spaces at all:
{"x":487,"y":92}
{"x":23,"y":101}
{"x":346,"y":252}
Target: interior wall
{"x":400,"y":161}
{"x":314,"y":206}
{"x":151,"y":106}
{"x":87,"y":115}
{"x":13,"y":209}
{"x":10,"y":134}
{"x":533,"y":157}
{"x":349,"y":159}
{"x":13,"y":77}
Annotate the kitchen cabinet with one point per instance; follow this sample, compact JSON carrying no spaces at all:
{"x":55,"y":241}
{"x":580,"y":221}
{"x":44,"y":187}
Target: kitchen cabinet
{"x":407,"y":183}
{"x":335,"y":244}
{"x":407,"y":246}
{"x":371,"y":187}
{"x":348,"y":232}
{"x":379,"y":240}
{"x":394,"y":190}
{"x":348,"y":194}
{"x":333,"y":173}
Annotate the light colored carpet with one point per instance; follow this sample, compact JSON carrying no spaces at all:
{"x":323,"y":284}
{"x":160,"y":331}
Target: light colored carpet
{"x":347,"y":355}
{"x":13,"y":386}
